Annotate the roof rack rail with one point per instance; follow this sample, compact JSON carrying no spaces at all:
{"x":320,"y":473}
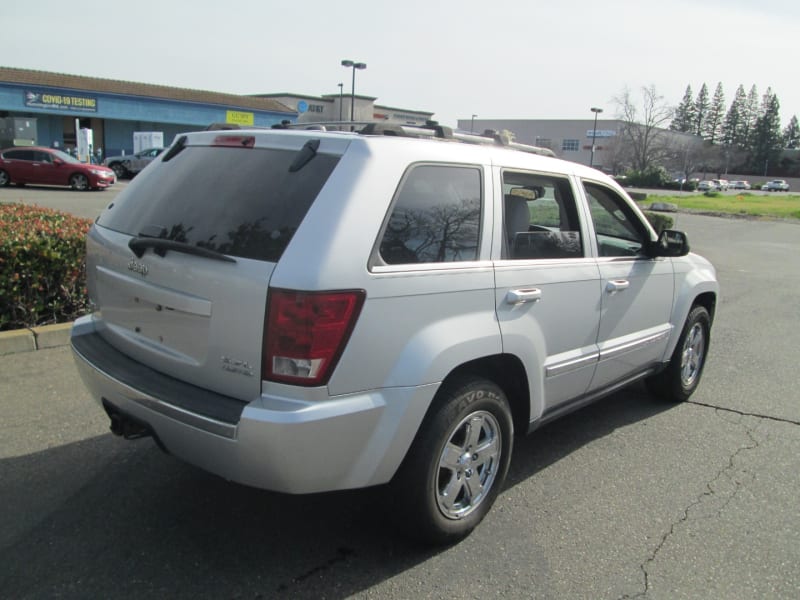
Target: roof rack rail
{"x":431,"y":129}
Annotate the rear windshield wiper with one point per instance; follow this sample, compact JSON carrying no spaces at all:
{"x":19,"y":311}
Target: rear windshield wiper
{"x":161,"y":245}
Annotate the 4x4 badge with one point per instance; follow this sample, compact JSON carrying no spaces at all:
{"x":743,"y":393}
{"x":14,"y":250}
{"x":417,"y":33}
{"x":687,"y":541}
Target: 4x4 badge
{"x":138,"y":267}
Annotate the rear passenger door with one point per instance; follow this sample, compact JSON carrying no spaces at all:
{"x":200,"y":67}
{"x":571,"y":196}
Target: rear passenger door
{"x":548,"y":292}
{"x":637,"y":290}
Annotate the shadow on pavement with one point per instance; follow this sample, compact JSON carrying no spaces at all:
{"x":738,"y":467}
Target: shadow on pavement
{"x":107,"y":518}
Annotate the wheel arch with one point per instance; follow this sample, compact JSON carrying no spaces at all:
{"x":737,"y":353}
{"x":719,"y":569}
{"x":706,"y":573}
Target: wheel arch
{"x":508,"y":373}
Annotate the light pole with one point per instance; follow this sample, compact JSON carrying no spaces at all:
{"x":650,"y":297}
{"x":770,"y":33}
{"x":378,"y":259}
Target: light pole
{"x":596,"y":111}
{"x":472,"y":123}
{"x":341,"y":87}
{"x":354,"y":66}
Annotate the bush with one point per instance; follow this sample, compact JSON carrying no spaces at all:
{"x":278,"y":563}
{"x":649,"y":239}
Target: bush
{"x":652,"y":177}
{"x":42,"y":266}
{"x":659,"y":221}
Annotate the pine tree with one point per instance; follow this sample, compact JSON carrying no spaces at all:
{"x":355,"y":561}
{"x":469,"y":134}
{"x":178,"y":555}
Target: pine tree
{"x":750,"y":116}
{"x":735,"y":126}
{"x":767,"y":137}
{"x":683,"y":120}
{"x":712,"y":128}
{"x":791,"y":135}
{"x":701,"y":106}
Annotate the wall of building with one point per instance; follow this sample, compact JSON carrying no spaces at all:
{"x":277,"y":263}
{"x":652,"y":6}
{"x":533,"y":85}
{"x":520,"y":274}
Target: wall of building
{"x":569,"y":139}
{"x":116,"y":116}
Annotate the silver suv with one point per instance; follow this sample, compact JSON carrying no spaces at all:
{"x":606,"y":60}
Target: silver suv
{"x":305,"y":311}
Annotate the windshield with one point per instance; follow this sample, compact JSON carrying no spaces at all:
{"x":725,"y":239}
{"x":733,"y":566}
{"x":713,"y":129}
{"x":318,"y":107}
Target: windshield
{"x":242,"y":202}
{"x":65,"y":157}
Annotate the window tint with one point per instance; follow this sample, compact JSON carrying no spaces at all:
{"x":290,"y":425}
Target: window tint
{"x":435,"y":217}
{"x":540,"y":217}
{"x":619,"y":231}
{"x":19,"y":155}
{"x":238,"y":201}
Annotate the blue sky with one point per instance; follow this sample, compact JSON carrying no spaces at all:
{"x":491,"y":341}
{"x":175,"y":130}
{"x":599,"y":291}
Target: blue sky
{"x":496,"y":59}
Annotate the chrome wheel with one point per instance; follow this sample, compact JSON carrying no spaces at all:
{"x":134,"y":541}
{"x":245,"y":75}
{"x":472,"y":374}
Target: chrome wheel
{"x":4,"y":178}
{"x":468,"y":464}
{"x":692,"y":356}
{"x":79,"y":182}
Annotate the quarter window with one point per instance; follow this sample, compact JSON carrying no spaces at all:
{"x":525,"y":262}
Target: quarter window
{"x":435,"y":217}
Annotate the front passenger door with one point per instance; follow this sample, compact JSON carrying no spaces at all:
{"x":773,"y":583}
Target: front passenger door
{"x":637,"y":290}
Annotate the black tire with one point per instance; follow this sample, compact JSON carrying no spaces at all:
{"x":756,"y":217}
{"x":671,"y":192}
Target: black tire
{"x":5,"y":178}
{"x":455,"y":470}
{"x":119,"y":170}
{"x":79,"y":182}
{"x":680,"y":379}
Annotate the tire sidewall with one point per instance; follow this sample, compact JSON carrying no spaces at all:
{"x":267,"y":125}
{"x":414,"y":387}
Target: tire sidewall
{"x":698,"y":315}
{"x":420,"y":470}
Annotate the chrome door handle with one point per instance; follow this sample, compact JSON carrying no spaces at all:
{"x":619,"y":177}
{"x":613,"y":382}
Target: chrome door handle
{"x":523,"y":295}
{"x":617,"y":285}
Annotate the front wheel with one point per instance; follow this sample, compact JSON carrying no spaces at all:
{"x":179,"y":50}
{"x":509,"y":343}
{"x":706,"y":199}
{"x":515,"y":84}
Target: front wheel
{"x":457,"y":463}
{"x":79,"y":182}
{"x":680,"y":379}
{"x":119,"y":170}
{"x":4,"y":178}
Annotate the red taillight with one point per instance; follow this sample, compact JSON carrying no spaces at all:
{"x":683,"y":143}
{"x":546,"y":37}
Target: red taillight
{"x":306,"y":332}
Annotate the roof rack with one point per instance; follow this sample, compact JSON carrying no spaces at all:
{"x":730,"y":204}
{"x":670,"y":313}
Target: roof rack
{"x":431,"y":129}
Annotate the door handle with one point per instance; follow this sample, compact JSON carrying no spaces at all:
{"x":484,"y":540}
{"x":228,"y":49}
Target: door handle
{"x":617,"y":285}
{"x":523,"y":295}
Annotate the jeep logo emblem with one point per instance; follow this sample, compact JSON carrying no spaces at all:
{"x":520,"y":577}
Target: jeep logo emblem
{"x":138,"y":267}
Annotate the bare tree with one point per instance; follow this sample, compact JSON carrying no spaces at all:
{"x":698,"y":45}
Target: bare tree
{"x":644,"y":126}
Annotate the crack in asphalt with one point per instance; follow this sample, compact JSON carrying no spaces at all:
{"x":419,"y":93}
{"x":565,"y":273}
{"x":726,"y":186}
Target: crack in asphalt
{"x":709,"y":493}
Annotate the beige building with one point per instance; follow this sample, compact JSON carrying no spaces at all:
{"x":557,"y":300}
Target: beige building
{"x":570,"y":139}
{"x":336,"y":107}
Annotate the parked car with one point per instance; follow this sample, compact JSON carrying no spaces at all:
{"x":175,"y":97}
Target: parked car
{"x":708,"y":186}
{"x":740,"y":185}
{"x":304,"y":311}
{"x":722,"y":184}
{"x":45,"y":166}
{"x":127,"y":166}
{"x":776,"y":185}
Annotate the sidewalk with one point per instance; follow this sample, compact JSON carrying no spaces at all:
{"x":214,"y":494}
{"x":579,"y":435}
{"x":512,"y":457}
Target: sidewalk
{"x":36,"y":338}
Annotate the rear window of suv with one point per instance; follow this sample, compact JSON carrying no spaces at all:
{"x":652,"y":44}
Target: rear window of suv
{"x":243,"y":202}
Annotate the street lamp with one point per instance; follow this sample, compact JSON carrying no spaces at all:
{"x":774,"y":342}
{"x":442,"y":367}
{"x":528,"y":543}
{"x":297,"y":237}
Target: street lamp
{"x":354,"y":66}
{"x":472,"y":123}
{"x":341,"y":87}
{"x":596,"y":111}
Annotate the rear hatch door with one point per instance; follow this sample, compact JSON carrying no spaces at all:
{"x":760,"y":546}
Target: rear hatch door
{"x":179,"y":265}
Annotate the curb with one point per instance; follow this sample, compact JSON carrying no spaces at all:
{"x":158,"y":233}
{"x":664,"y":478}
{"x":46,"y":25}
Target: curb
{"x":35,"y":338}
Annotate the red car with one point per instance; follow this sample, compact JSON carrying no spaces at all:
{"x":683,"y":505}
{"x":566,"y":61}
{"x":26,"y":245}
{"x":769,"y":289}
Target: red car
{"x":46,"y":166}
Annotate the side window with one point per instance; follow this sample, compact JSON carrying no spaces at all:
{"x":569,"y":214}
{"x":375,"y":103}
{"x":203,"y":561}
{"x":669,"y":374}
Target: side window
{"x":435,"y":217}
{"x":540,"y":219}
{"x":619,"y":231}
{"x":20,"y":155}
{"x":41,"y":156}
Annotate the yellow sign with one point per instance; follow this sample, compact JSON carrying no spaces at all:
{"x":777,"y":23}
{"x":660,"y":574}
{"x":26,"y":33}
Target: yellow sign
{"x":239,"y":118}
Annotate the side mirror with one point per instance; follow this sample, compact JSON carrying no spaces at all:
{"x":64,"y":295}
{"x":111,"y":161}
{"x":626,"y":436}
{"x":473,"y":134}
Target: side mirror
{"x":58,"y":162}
{"x":671,"y":243}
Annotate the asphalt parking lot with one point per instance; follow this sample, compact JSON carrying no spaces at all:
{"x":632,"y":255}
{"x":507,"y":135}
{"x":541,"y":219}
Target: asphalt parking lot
{"x":626,"y":498}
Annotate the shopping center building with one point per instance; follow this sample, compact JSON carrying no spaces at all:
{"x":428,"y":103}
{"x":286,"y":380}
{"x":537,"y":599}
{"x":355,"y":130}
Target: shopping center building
{"x":55,"y":110}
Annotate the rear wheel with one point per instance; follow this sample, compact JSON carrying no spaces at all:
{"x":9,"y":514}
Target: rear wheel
{"x":679,"y":380}
{"x":457,"y":463}
{"x":119,"y":170}
{"x":79,"y":182}
{"x":4,"y":178}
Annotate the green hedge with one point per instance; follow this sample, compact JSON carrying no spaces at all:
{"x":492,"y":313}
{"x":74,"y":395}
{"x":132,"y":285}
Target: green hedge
{"x":659,"y":221}
{"x":42,"y":266}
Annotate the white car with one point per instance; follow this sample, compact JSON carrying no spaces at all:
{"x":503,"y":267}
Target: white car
{"x":306,"y":311}
{"x":722,"y":184}
{"x":776,"y":185}
{"x":707,"y":186}
{"x":131,"y":164}
{"x":740,"y":185}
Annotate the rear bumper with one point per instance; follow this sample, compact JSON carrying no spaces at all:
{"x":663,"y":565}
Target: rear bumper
{"x":273,"y":442}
